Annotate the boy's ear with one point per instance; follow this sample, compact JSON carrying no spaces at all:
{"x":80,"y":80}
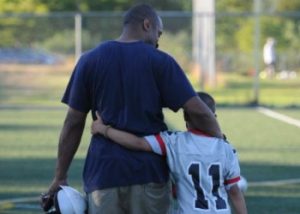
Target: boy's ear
{"x":185,"y":116}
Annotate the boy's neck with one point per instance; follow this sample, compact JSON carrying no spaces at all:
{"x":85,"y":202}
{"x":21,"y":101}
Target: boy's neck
{"x":192,"y":129}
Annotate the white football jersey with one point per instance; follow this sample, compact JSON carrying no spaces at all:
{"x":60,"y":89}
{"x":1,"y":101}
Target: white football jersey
{"x":201,"y":166}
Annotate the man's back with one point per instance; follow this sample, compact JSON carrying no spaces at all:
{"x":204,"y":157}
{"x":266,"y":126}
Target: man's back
{"x":128,"y":84}
{"x":129,"y":98}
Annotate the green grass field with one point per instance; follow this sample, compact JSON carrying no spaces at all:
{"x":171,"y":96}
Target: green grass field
{"x":28,"y":140}
{"x":31,"y":117}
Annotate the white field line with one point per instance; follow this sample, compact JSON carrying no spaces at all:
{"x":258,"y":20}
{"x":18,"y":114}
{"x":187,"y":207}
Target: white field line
{"x":278,"y":116}
{"x":20,"y":200}
{"x":274,"y":183}
{"x":28,"y":207}
{"x":20,"y":203}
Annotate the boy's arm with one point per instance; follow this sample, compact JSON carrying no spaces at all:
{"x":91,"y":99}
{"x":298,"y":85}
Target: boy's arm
{"x":123,"y":138}
{"x":237,"y":199}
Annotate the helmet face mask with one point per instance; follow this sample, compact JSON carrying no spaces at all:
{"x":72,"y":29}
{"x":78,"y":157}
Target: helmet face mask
{"x":243,"y":184}
{"x":67,"y":200}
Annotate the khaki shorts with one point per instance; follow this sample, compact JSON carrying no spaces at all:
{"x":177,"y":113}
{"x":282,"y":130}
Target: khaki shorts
{"x":149,"y":198}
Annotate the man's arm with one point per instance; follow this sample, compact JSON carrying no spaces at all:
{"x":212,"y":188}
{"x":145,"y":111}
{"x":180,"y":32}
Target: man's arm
{"x":237,"y":199}
{"x":123,"y":138}
{"x":202,"y":117}
{"x":69,"y":141}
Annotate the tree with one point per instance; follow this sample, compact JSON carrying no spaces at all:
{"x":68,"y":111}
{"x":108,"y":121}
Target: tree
{"x":13,"y":28}
{"x":114,"y":5}
{"x":22,"y":6}
{"x":290,"y":5}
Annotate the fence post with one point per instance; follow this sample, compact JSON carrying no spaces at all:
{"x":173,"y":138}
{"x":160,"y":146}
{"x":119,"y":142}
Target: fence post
{"x":78,"y":32}
{"x":204,"y":41}
{"x":257,"y":10}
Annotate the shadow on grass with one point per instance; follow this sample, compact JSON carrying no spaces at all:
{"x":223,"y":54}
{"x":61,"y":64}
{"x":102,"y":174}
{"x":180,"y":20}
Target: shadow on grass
{"x":25,"y":127}
{"x":30,"y":177}
{"x":263,"y":172}
{"x":275,"y":205}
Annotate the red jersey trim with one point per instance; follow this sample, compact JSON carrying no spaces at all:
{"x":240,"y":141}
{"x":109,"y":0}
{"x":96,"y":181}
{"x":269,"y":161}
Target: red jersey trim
{"x":231,"y":181}
{"x":161,"y":144}
{"x":198,"y":132}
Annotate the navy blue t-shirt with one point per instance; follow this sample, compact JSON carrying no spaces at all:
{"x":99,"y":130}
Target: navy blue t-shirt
{"x":128,"y":84}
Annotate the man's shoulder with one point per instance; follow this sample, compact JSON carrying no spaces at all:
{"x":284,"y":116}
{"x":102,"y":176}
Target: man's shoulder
{"x":96,"y":51}
{"x":103,"y":45}
{"x":165,"y":55}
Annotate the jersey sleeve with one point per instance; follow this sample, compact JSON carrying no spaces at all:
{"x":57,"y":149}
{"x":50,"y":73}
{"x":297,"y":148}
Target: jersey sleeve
{"x":166,"y":143}
{"x":77,"y":92}
{"x":161,"y":143}
{"x":157,"y":144}
{"x":175,"y":88}
{"x":232,"y":167}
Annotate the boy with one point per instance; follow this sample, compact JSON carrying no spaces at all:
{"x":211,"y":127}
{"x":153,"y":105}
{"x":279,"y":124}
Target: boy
{"x":205,"y":169}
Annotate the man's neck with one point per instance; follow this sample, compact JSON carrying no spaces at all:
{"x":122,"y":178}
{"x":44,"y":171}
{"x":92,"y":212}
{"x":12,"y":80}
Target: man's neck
{"x":129,"y":36}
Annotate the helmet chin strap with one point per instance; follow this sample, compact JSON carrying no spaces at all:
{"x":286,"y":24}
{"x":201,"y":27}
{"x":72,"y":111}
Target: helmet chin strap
{"x":52,"y":211}
{"x":56,"y":203}
{"x":55,"y":207}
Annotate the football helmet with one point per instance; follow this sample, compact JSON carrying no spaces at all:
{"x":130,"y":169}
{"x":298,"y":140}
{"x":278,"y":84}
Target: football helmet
{"x":67,"y":200}
{"x":243,"y":184}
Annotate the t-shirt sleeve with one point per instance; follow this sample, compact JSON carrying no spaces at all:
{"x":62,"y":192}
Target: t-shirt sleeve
{"x":175,"y":88}
{"x":233,"y":168}
{"x":77,"y":92}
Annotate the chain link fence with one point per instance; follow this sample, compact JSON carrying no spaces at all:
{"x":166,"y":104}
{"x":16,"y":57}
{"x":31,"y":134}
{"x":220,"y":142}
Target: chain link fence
{"x":55,"y":37}
{"x":55,"y":33}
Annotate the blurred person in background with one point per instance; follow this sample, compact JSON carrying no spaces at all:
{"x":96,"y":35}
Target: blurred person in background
{"x":269,"y":56}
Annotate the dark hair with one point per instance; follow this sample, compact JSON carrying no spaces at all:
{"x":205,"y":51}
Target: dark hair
{"x":208,"y":100}
{"x":139,"y":13}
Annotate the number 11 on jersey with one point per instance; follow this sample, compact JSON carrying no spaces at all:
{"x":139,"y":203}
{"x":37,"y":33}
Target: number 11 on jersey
{"x":201,"y":202}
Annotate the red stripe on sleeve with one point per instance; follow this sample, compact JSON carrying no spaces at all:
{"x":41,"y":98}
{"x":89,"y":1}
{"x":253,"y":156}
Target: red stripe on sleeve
{"x":161,"y":144}
{"x":231,"y":181}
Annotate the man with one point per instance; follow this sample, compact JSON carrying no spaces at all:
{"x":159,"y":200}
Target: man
{"x":128,"y":81}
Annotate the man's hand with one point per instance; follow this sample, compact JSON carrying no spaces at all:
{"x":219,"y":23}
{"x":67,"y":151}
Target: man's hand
{"x":46,"y":199}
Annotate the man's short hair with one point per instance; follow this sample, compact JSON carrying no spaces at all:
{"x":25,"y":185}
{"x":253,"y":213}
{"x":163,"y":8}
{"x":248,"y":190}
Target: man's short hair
{"x":139,"y":13}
